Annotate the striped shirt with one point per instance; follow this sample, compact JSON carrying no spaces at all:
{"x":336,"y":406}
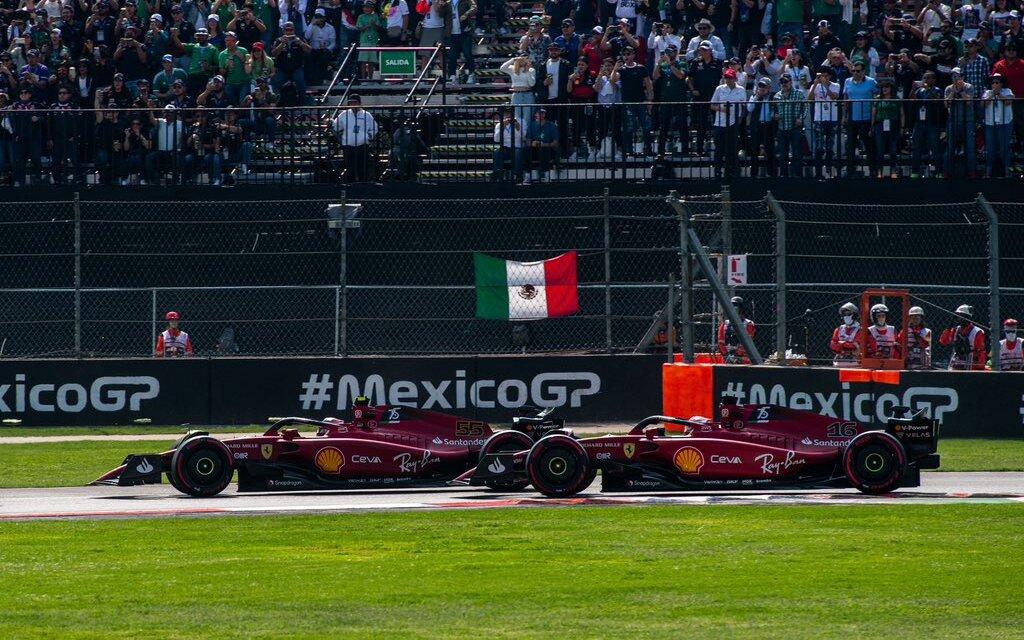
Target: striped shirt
{"x":789,"y":109}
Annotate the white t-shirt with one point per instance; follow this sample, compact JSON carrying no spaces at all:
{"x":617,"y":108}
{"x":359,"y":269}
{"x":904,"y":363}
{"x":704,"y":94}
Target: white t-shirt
{"x":735,"y":97}
{"x":997,"y":111}
{"x":825,"y":109}
{"x":433,"y":19}
{"x":625,"y":9}
{"x":553,"y":66}
{"x":398,"y":10}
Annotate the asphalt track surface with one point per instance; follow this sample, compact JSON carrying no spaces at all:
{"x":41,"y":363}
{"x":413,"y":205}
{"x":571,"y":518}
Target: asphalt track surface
{"x":162,"y":500}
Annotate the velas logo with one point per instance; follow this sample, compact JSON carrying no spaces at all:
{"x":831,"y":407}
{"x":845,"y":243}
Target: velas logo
{"x":549,"y":389}
{"x":106,"y":393}
{"x":688,"y":460}
{"x":329,"y":460}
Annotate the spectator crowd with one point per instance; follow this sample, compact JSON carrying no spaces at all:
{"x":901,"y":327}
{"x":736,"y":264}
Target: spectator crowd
{"x":143,"y":89}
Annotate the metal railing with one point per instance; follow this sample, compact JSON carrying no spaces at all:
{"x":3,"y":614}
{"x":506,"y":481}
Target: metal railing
{"x":582,"y":141}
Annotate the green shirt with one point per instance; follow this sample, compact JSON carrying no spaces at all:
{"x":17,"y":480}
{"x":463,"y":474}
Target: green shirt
{"x":200,"y":55}
{"x":162,"y":82}
{"x":789,"y":109}
{"x":236,"y":74}
{"x":369,"y":37}
{"x":261,"y":9}
{"x":673,"y":89}
{"x":821,"y":8}
{"x":789,"y":11}
{"x":887,"y":110}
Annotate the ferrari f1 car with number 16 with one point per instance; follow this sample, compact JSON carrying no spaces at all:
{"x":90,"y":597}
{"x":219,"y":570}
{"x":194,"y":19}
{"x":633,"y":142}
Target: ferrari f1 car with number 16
{"x":751,"y":447}
{"x":382,"y":446}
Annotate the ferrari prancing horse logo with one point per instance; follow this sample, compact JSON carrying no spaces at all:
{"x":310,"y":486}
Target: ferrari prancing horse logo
{"x":267,"y":450}
{"x":629,"y":449}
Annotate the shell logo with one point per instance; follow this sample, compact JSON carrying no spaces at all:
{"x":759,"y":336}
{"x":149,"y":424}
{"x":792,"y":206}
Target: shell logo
{"x":329,"y":460}
{"x":688,"y":460}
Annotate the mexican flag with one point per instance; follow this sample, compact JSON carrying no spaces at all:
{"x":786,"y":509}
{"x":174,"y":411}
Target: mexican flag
{"x":508,"y":290}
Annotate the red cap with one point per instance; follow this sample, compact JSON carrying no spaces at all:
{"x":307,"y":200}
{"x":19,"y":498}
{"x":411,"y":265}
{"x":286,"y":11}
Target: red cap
{"x":172,"y":315}
{"x":258,"y":46}
{"x":730,"y":73}
{"x":1010,"y":322}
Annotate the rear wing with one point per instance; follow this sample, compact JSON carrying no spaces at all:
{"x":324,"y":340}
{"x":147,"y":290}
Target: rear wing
{"x":918,"y":433}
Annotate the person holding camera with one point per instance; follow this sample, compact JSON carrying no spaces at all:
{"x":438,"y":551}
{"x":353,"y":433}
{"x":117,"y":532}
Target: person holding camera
{"x":670,"y":78}
{"x":960,"y":125}
{"x":662,"y":37}
{"x":203,"y":59}
{"x":290,"y":53}
{"x":824,"y":94}
{"x":617,"y":38}
{"x":637,"y":95}
{"x":535,"y":42}
{"x":510,"y":138}
{"x":248,"y":27}
{"x":135,"y":146}
{"x":100,"y":25}
{"x":705,"y":33}
{"x":203,"y":147}
{"x":927,"y":115}
{"x":130,"y":58}
{"x":569,"y":41}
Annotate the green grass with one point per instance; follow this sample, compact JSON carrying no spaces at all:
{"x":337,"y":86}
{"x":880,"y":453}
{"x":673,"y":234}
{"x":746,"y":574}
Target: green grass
{"x":643,"y":572}
{"x":62,"y":464}
{"x":65,"y":464}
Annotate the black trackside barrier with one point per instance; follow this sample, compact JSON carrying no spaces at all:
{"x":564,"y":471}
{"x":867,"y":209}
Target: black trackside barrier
{"x":967,"y":403}
{"x":250,"y":143}
{"x":585,"y":389}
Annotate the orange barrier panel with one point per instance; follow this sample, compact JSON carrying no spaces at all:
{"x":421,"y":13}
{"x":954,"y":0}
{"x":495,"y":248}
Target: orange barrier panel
{"x":854,"y":375}
{"x":880,"y":376}
{"x":687,"y":390}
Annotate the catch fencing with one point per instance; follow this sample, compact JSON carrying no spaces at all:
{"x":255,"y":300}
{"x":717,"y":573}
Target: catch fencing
{"x":85,"y":278}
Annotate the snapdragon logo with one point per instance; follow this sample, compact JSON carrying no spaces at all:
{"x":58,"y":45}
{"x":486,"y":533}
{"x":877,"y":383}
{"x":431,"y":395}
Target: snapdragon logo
{"x":560,"y":389}
{"x":106,"y":393}
{"x":847,"y":404}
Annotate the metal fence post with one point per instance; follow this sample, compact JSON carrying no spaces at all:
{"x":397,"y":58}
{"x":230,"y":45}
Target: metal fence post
{"x":686,"y":280}
{"x":780,"y":277}
{"x":341,"y":347}
{"x":671,"y":320}
{"x":726,"y":236}
{"x":78,"y":276}
{"x":995,"y":319}
{"x":607,"y":272}
{"x":152,"y":320}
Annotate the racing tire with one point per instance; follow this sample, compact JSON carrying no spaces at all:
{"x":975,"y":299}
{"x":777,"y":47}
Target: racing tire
{"x":874,"y":462}
{"x":558,"y":466}
{"x":505,"y":441}
{"x":170,"y":475}
{"x":201,"y":467}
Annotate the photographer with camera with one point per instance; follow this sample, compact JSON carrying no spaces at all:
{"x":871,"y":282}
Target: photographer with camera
{"x":247,"y":26}
{"x":130,"y":58}
{"x":203,"y":59}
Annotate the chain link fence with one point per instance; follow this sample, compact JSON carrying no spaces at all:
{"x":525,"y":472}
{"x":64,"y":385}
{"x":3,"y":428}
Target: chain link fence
{"x":95,"y":278}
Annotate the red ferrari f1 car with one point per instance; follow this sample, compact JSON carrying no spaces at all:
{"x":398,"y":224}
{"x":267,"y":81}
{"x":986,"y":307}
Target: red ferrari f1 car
{"x":751,"y":447}
{"x":382,"y":446}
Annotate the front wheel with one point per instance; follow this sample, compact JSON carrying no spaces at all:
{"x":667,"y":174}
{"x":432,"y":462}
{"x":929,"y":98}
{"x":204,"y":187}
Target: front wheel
{"x":504,"y":442}
{"x":201,"y":467}
{"x":558,"y":466}
{"x":874,"y":462}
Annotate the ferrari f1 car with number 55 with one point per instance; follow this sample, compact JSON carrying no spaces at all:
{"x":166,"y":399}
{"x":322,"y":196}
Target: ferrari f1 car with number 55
{"x":751,"y":447}
{"x":381,"y":446}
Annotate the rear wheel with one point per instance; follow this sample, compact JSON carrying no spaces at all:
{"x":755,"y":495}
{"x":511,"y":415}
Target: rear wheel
{"x":874,"y":462}
{"x":558,"y":466}
{"x":201,"y":467}
{"x":503,"y":442}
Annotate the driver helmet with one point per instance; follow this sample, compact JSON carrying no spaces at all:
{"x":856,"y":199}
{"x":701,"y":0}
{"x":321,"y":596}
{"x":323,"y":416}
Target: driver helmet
{"x":877,"y":310}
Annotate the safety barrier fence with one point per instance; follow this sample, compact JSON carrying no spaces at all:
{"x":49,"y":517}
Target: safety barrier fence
{"x":494,"y":141}
{"x":272,"y":277}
